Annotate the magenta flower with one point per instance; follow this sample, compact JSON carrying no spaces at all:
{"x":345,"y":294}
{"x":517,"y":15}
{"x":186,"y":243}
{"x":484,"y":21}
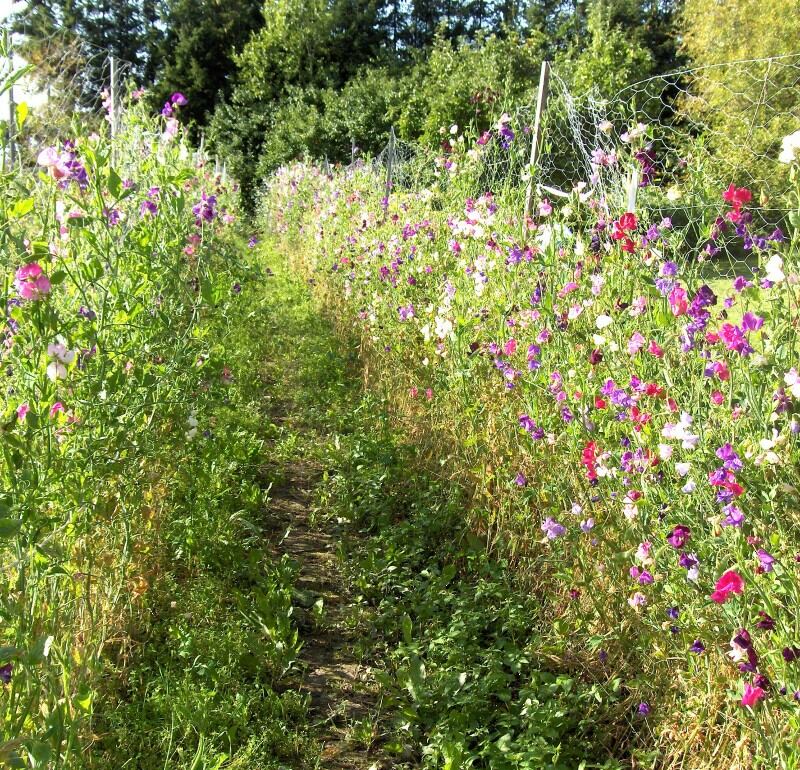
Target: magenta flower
{"x":752,"y":695}
{"x":679,"y":536}
{"x":31,"y":282}
{"x":731,"y":582}
{"x":766,"y":559}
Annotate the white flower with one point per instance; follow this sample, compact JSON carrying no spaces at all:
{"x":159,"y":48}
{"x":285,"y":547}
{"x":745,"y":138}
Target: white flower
{"x":792,"y":380}
{"x":59,"y":351}
{"x":603,"y":321}
{"x":606,"y":126}
{"x":775,"y":269}
{"x":634,"y":133}
{"x":683,"y":468}
{"x":790,"y":148}
{"x":444,"y":327}
{"x":56,"y":371}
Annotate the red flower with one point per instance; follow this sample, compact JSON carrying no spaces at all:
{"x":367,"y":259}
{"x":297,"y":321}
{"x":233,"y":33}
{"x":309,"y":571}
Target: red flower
{"x":737,"y":196}
{"x":627,"y":221}
{"x":589,"y":460}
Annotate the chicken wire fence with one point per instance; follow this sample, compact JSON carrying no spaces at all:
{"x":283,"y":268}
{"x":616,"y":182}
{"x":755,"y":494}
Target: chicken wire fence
{"x":60,"y":76}
{"x":666,"y":146}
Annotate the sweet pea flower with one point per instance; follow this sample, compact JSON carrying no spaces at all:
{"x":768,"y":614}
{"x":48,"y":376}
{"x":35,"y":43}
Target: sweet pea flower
{"x":635,"y":343}
{"x":730,"y":582}
{"x":774,"y":269}
{"x":792,"y":380}
{"x":752,"y":695}
{"x":22,"y":411}
{"x":766,"y":560}
{"x":679,"y":536}
{"x":552,"y":528}
{"x":790,"y":148}
{"x":678,"y":301}
{"x":31,"y":282}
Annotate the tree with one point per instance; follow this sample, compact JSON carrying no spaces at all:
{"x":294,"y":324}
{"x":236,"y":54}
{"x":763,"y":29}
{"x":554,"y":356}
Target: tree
{"x":96,"y":29}
{"x":197,"y":53}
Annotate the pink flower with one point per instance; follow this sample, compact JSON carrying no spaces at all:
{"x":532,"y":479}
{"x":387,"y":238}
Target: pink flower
{"x":22,"y":411}
{"x":545,"y":208}
{"x":678,"y":301}
{"x":52,"y":160}
{"x":731,"y":582}
{"x":635,"y":343}
{"x":510,"y":347}
{"x":56,"y":408}
{"x":717,"y":398}
{"x":752,"y":695}
{"x":654,"y":350}
{"x":31,"y":282}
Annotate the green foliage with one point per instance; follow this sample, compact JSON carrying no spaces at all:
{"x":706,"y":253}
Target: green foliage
{"x":469,"y":84}
{"x":748,"y":108}
{"x":462,"y":640}
{"x":611,"y":59}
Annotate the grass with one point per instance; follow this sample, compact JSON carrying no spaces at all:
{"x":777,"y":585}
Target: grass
{"x":456,"y":641}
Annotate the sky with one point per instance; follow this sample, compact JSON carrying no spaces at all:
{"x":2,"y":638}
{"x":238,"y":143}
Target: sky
{"x":20,"y":92}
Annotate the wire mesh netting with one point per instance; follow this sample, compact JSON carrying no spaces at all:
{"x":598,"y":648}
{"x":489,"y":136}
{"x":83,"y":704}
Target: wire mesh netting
{"x":667,"y":146}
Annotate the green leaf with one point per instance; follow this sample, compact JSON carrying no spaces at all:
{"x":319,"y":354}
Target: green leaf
{"x":114,"y":183}
{"x":21,"y":208}
{"x":406,"y":627}
{"x":10,"y":527}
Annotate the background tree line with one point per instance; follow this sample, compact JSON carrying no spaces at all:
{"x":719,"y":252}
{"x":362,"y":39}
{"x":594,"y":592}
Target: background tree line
{"x":269,"y":80}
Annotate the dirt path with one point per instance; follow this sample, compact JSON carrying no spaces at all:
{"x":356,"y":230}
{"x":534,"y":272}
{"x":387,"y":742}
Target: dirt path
{"x":345,"y":701}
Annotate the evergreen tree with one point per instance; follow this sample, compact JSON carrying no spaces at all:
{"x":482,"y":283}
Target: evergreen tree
{"x":198,"y":49}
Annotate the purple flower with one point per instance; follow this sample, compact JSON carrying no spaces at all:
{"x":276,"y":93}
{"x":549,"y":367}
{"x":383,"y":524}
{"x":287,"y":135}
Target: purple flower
{"x":730,"y":460}
{"x":178,"y":99}
{"x":697,"y":647}
{"x":643,"y":708}
{"x":734,"y":517}
{"x":552,"y":528}
{"x":679,"y":536}
{"x":766,"y":623}
{"x":205,"y":209}
{"x":791,"y":654}
{"x":751,"y":322}
{"x":520,"y":480}
{"x":766,"y":559}
{"x":5,"y":673}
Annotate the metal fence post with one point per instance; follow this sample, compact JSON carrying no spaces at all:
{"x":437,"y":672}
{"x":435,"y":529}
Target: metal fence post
{"x":541,"y":103}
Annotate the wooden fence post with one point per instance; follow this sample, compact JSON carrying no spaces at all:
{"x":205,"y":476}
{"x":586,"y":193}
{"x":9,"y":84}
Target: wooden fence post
{"x":114,"y":95}
{"x":390,"y":162}
{"x":633,"y":188}
{"x":12,"y":129}
{"x":541,"y":104}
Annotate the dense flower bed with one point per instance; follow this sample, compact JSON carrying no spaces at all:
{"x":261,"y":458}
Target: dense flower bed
{"x":115,"y":256}
{"x":633,"y":426}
